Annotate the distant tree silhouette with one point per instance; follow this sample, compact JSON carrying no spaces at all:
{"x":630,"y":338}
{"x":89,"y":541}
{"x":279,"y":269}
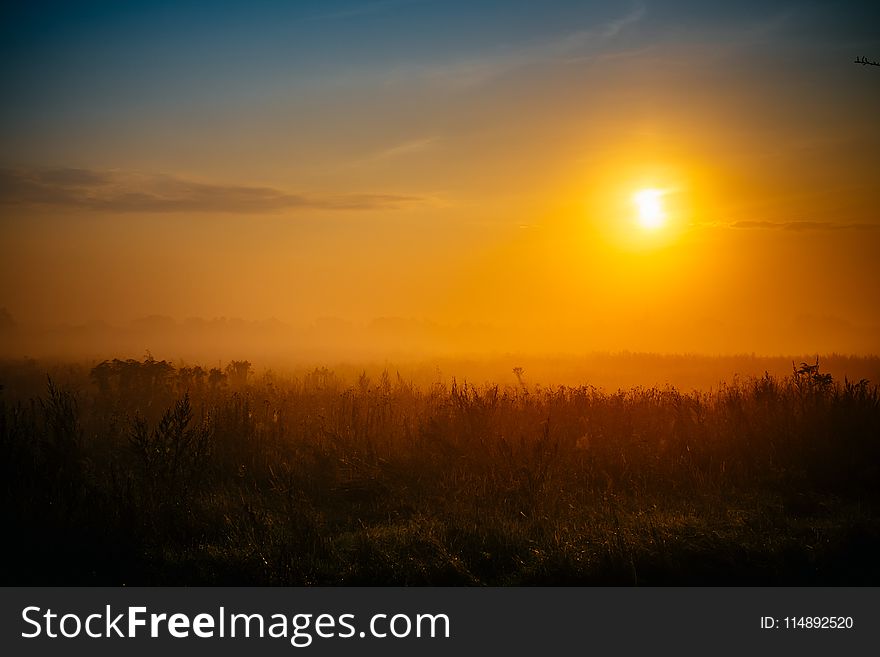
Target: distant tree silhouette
{"x":237,"y":371}
{"x":102,"y":373}
{"x":216,"y":378}
{"x":137,"y":382}
{"x":191,"y":377}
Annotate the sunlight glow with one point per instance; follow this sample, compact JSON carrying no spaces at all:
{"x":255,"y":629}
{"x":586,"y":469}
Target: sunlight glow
{"x":649,"y":202}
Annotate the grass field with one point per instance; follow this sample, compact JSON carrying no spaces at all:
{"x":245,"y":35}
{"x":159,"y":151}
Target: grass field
{"x":139,"y":472}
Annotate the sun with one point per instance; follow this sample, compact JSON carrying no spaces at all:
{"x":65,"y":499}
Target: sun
{"x":649,"y":203}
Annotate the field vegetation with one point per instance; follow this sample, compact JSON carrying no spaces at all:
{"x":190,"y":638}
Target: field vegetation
{"x":140,"y":472}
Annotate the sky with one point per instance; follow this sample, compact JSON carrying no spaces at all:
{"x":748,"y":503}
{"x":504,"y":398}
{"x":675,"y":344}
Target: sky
{"x":460,"y":164}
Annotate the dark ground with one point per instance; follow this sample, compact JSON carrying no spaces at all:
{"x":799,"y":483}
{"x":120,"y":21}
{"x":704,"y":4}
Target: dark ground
{"x":136,"y":472}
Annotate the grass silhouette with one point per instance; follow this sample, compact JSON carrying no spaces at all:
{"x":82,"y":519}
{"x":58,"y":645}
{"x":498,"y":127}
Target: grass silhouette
{"x":137,"y":472}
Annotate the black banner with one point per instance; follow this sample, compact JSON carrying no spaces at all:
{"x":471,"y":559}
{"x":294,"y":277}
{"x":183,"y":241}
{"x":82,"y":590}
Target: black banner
{"x":438,"y":621}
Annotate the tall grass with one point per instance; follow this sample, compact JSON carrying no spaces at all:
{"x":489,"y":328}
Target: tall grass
{"x":137,"y":472}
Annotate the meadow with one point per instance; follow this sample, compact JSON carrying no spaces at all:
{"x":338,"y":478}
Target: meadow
{"x":142,"y":472}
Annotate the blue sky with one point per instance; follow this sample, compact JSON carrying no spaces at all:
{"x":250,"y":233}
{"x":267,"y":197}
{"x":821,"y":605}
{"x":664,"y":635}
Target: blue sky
{"x":94,"y":57}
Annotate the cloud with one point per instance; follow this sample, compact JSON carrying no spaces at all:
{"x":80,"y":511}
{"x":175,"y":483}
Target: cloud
{"x":803,"y":225}
{"x":392,"y":152}
{"x":405,"y":148}
{"x":481,"y":68}
{"x":117,"y":191}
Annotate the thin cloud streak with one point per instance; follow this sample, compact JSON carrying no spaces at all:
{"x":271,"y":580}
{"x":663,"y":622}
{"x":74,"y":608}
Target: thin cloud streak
{"x":405,"y":148}
{"x":479,"y":69}
{"x":124,"y":192}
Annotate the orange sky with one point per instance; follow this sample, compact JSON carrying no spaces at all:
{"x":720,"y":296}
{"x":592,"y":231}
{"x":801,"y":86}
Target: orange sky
{"x":472,"y":179}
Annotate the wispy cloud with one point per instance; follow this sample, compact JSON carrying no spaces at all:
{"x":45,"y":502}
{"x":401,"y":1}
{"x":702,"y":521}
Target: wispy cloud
{"x":117,"y":191}
{"x":404,"y":148}
{"x":803,"y":225}
{"x":575,"y":45}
